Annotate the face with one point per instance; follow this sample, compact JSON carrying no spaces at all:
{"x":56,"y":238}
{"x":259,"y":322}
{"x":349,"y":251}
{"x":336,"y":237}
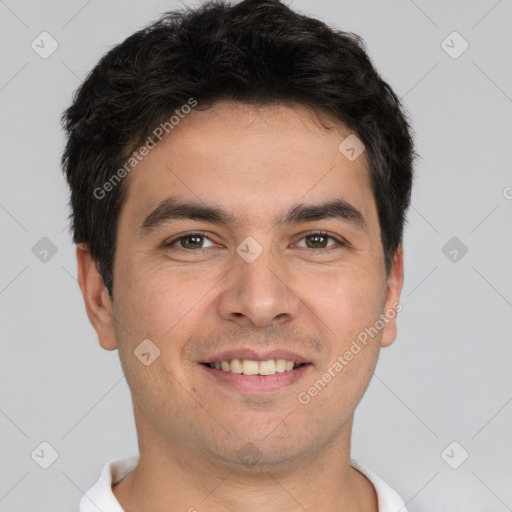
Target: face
{"x":247,"y":237}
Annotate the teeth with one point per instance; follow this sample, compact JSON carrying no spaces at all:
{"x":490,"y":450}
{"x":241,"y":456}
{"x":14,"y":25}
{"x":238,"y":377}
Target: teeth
{"x":267,"y":367}
{"x":280,"y":365}
{"x":250,"y":367}
{"x":236,"y":366}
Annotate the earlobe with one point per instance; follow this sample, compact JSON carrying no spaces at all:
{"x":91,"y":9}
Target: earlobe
{"x":96,"y":299}
{"x":392,"y":305}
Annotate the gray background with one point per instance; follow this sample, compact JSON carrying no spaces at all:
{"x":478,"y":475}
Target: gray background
{"x":448,"y":375}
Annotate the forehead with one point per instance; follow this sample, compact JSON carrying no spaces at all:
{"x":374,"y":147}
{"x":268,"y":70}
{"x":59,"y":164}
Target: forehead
{"x":249,"y":159}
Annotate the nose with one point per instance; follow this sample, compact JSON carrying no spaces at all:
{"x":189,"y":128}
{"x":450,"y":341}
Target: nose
{"x":258,"y":294}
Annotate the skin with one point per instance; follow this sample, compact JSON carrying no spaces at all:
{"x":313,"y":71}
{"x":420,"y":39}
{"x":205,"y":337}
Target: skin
{"x":193,"y":432}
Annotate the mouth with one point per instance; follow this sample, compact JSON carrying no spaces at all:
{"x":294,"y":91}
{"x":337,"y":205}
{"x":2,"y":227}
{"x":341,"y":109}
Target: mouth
{"x":254,"y":367}
{"x":250,"y":372}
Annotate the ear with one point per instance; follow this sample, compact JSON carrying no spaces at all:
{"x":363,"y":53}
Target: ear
{"x":97,"y":301}
{"x":392,"y":305}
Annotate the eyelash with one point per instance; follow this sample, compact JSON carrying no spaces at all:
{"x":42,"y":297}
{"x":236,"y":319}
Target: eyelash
{"x":339,"y":242}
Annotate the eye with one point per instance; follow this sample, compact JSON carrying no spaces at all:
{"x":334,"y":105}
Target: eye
{"x":314,"y":240}
{"x":190,"y":241}
{"x":320,"y":240}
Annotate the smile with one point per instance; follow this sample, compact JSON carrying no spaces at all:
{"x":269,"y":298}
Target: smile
{"x":251,"y":376}
{"x":252,"y":367}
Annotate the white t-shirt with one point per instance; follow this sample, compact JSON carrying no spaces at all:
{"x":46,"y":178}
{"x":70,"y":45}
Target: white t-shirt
{"x":101,"y":497}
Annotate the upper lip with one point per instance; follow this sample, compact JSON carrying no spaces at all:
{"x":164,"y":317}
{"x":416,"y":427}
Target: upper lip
{"x":256,"y":355}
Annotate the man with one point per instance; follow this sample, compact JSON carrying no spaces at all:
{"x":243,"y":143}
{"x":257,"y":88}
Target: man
{"x":239,"y":181}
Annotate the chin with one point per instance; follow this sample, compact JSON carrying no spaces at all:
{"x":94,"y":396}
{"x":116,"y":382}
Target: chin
{"x":262,"y":455}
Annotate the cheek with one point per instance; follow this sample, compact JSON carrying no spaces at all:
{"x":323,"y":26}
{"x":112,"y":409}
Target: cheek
{"x":154,"y":306}
{"x":162,"y":304}
{"x":143,"y":288}
{"x":348,"y":301}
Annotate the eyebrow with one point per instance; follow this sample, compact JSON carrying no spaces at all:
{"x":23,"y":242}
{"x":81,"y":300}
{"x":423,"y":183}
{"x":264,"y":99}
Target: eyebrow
{"x":173,"y":208}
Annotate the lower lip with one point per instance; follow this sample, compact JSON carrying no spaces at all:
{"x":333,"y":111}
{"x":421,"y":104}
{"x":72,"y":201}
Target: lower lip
{"x":257,"y":383}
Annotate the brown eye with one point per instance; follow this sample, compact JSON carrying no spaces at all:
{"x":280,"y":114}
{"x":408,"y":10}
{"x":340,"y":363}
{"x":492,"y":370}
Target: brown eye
{"x":316,"y":241}
{"x":190,"y":241}
{"x":319,"y":241}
